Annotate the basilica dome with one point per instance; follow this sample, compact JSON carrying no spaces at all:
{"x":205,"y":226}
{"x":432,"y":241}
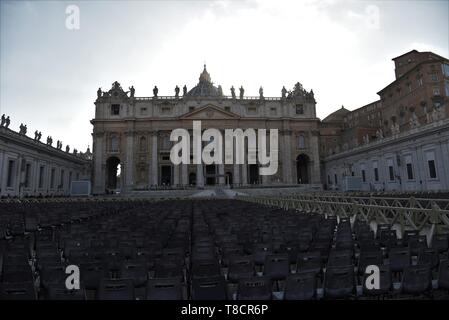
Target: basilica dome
{"x":205,"y":87}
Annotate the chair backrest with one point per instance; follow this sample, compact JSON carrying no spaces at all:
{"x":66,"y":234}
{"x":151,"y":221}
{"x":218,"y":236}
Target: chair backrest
{"x":18,"y":291}
{"x":210,"y":288}
{"x":115,"y":289}
{"x":164,"y":289}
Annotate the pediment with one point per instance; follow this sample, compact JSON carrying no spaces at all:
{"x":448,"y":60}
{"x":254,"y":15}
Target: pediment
{"x":209,"y":112}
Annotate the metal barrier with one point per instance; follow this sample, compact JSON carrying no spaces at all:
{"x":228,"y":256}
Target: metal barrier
{"x":407,"y":213}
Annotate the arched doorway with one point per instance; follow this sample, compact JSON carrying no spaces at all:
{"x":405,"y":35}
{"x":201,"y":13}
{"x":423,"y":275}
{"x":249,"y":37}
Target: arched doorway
{"x":229,"y":178}
{"x":254,"y":174}
{"x":192,"y":179}
{"x":302,"y":169}
{"x":211,"y":175}
{"x":113,"y":174}
{"x":166,"y":171}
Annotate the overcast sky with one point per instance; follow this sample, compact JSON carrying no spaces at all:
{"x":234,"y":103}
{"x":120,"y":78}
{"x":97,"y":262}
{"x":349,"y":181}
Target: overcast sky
{"x":341,"y":49}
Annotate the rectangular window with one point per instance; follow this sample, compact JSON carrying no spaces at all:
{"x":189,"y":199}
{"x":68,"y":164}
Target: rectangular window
{"x":376,"y":171}
{"x":252,"y":110}
{"x":41,"y":177}
{"x":27,"y":175}
{"x":446,"y":87}
{"x":70,"y":179}
{"x":273,"y":111}
{"x":434,"y":77}
{"x":166,"y":110}
{"x":363,"y":176}
{"x":77,"y":176}
{"x":191,"y":109}
{"x":391,"y":172}
{"x":420,"y":82}
{"x":299,"y":109}
{"x":228,"y":109}
{"x":328,"y":179}
{"x":409,"y":171}
{"x":335,"y":178}
{"x":11,"y":169}
{"x":115,"y":109}
{"x":52,"y":178}
{"x":390,"y":169}
{"x":431,"y":164}
{"x":301,"y":142}
{"x":432,"y":169}
{"x":436,"y":91}
{"x":445,"y":68}
{"x":143,"y":111}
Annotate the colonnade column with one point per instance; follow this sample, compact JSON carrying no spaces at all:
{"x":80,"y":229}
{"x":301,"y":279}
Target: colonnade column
{"x":199,"y":176}
{"x":154,"y":159}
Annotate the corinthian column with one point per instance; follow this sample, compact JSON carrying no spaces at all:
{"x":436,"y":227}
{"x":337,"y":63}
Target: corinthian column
{"x":286,"y":157}
{"x":154,"y":156}
{"x":129,"y":184}
{"x":199,"y":176}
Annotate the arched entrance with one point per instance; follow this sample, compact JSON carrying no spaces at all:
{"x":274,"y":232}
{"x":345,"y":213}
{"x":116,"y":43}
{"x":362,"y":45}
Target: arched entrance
{"x":166,"y":171}
{"x":253,"y":174}
{"x":302,"y":169}
{"x":211,"y":175}
{"x":229,"y":178}
{"x":192,"y":179}
{"x":113,"y":174}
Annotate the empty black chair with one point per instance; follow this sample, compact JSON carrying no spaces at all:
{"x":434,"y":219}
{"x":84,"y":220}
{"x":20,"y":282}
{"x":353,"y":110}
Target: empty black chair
{"x":17,"y":273}
{"x":115,"y":289}
{"x":212,"y":288}
{"x":385,"y":282}
{"x":255,"y":288}
{"x":52,"y":274}
{"x":387,"y":237}
{"x":164,"y":289}
{"x":240,"y":267}
{"x":300,"y":286}
{"x":440,"y":242}
{"x":230,"y":251}
{"x":310,"y":262}
{"x":292,"y":251}
{"x":367,"y":258}
{"x":408,"y":234}
{"x":60,"y":292}
{"x":166,"y":268}
{"x":339,"y":258}
{"x":429,"y":257}
{"x":399,"y":259}
{"x":91,"y":274}
{"x":18,"y":291}
{"x":339,"y":282}
{"x":443,"y":275}
{"x":277,"y":266}
{"x":205,"y":268}
{"x":417,"y":279}
{"x":417,"y":244}
{"x":137,"y":272}
{"x":260,"y":251}
{"x":323,"y":246}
